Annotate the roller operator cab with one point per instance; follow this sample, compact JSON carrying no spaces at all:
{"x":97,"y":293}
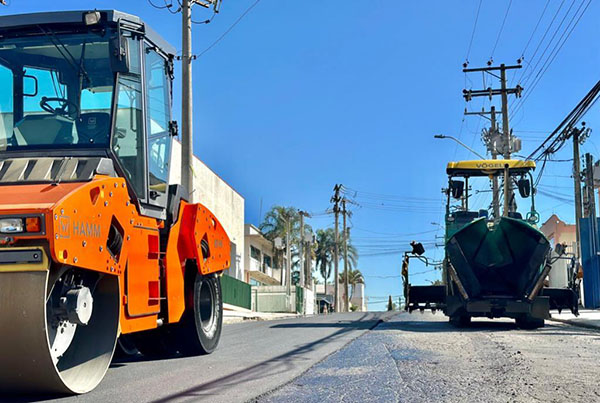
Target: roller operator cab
{"x":496,"y":260}
{"x":95,"y":243}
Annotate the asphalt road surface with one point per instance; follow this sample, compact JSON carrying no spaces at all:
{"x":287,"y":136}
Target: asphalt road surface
{"x":253,"y":358}
{"x":337,"y":358}
{"x":421,"y":358}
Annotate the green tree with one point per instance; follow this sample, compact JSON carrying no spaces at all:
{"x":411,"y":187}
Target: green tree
{"x":275,"y":224}
{"x":324,"y":253}
{"x":354,"y":277}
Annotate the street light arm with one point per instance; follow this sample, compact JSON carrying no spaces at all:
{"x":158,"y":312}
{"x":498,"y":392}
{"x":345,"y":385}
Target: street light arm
{"x":442,"y":136}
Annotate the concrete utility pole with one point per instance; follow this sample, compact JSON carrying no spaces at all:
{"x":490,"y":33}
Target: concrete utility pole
{"x":577,"y":185}
{"x":301,"y":248}
{"x":590,"y":200}
{"x":288,"y":271}
{"x":336,"y":210}
{"x":497,"y":144}
{"x":495,"y":189}
{"x":504,"y":95}
{"x":346,"y":231}
{"x":187,"y":139}
{"x":308,"y":264}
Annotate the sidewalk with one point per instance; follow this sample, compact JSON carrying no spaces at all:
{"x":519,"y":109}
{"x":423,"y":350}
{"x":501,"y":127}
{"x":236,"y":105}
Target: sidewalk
{"x":587,"y":318}
{"x":235,"y":314}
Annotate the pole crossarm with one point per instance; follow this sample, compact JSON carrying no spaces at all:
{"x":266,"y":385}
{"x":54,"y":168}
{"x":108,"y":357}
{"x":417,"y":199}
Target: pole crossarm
{"x":208,"y":3}
{"x":489,"y":92}
{"x":492,"y":68}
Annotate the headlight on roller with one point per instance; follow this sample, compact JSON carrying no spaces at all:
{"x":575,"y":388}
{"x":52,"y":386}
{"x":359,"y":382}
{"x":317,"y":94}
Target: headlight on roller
{"x":11,"y":225}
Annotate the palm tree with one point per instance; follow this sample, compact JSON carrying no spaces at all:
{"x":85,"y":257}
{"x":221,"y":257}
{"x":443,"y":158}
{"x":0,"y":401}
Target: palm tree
{"x":354,"y":277}
{"x":324,"y":253}
{"x":275,"y":224}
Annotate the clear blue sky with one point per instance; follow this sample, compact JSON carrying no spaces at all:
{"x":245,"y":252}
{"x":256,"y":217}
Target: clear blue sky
{"x":300,"y":96}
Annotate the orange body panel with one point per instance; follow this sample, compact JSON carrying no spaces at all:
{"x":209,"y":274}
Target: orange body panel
{"x":194,"y":224}
{"x":78,"y":218}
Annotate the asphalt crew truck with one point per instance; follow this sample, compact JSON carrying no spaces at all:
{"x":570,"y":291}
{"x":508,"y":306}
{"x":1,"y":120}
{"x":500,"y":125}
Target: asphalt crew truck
{"x":495,"y":264}
{"x":95,"y":242}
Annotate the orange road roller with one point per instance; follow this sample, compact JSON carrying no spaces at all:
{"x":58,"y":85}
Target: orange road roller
{"x":95,"y":242}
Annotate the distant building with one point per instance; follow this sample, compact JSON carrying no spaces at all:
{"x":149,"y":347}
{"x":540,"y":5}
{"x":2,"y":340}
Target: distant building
{"x":259,"y":260}
{"x":557,"y":231}
{"x":357,"y":295}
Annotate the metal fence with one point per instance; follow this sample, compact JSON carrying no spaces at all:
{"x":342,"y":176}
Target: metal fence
{"x":236,"y":292}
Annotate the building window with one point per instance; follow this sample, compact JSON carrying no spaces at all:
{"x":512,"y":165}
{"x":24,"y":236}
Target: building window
{"x":254,"y":253}
{"x":267,"y":260}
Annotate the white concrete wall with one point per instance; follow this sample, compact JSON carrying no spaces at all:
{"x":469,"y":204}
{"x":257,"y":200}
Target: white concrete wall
{"x":222,"y":200}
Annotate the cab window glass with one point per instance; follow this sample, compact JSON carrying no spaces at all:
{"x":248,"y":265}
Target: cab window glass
{"x":158,"y":104}
{"x":39,"y":84}
{"x":6,"y":106}
{"x":128,"y":139}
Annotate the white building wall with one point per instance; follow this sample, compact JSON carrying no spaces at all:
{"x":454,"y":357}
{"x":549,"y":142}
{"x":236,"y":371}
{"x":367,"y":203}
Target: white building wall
{"x":222,"y":200}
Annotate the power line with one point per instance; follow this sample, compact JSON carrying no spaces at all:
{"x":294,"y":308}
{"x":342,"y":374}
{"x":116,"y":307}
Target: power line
{"x":473,"y":33}
{"x":554,"y":52}
{"x":555,"y":140}
{"x":159,"y":7}
{"x":534,"y":30}
{"x":228,"y":30}
{"x":500,"y":32}
{"x":542,"y":40}
{"x":550,"y":42}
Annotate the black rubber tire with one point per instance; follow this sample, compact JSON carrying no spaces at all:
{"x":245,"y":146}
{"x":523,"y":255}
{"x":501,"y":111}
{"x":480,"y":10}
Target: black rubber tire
{"x":460,"y":320}
{"x":529,"y":323}
{"x":200,"y":328}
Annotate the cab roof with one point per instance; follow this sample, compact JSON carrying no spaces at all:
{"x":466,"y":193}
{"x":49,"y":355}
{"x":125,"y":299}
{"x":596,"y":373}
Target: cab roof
{"x":488,"y":167}
{"x":111,"y":17}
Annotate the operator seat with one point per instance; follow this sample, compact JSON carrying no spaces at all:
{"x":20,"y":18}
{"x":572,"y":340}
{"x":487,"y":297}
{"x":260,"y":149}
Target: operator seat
{"x":93,"y":128}
{"x":43,"y":129}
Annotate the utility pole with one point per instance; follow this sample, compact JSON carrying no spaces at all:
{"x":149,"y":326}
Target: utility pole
{"x":497,"y":144}
{"x":577,"y":185}
{"x":303,"y":282}
{"x":187,"y":139}
{"x":288,"y":272}
{"x":308,"y":264}
{"x":495,"y":189}
{"x":490,"y":138}
{"x":346,"y":234}
{"x":336,"y":210}
{"x":590,"y":202}
{"x":504,"y":95}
